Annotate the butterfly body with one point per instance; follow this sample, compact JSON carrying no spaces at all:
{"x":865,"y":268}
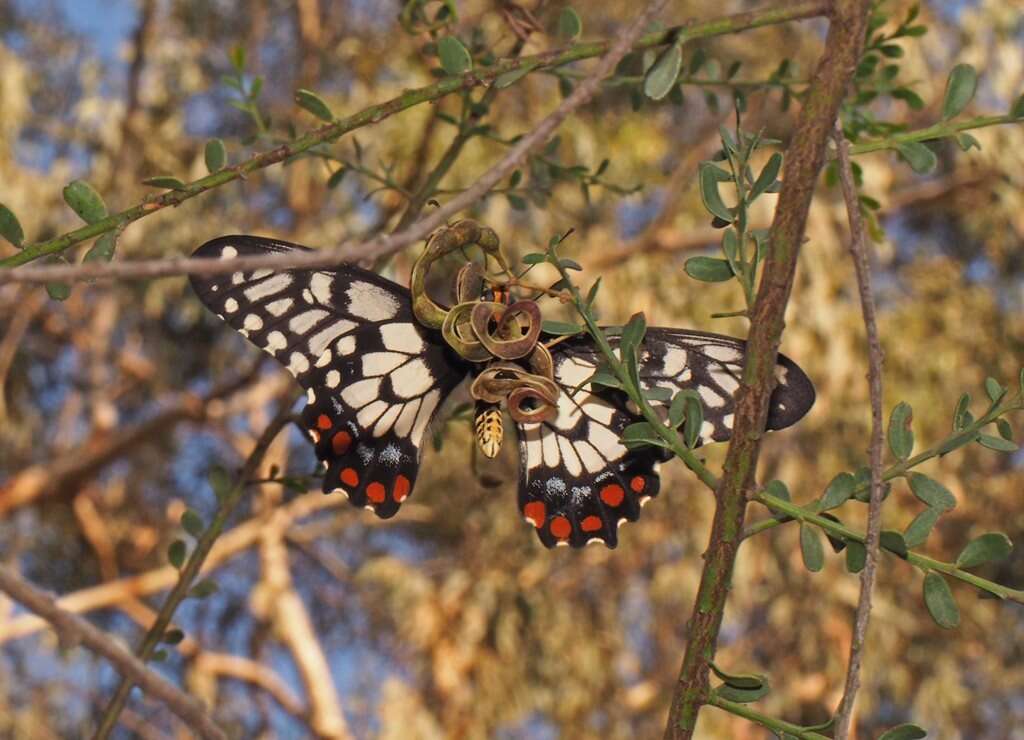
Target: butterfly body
{"x":375,"y":378}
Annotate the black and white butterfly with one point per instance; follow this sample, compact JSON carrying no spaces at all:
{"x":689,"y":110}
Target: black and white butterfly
{"x":375,"y":378}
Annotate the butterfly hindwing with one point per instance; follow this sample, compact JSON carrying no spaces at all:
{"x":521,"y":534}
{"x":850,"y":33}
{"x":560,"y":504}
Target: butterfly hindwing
{"x":577,"y":480}
{"x":374,"y":377}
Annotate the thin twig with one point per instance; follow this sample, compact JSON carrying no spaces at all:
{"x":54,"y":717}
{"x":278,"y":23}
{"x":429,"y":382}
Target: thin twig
{"x":191,"y":569}
{"x":332,"y":131}
{"x":859,"y":252}
{"x":72,"y":629}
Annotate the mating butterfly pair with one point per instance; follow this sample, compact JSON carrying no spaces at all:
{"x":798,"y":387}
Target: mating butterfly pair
{"x":375,"y":378}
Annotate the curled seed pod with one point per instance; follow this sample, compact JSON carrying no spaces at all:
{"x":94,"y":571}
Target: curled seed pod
{"x":469,"y":283}
{"x":528,"y":404}
{"x":442,"y":242}
{"x":457,"y":331}
{"x":541,"y":362}
{"x":510,"y":340}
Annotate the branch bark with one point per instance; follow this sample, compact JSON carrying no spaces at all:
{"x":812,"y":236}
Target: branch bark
{"x":73,"y":629}
{"x":806,"y":154}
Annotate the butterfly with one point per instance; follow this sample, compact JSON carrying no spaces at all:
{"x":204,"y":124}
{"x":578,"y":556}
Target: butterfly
{"x":375,"y":378}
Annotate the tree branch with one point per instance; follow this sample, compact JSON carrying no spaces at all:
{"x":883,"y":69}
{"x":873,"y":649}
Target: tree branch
{"x":859,"y":252}
{"x":805,"y":156}
{"x":73,"y":629}
{"x":373,"y":114}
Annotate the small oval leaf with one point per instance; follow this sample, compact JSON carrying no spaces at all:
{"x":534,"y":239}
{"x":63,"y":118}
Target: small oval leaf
{"x":838,"y":491}
{"x":960,"y":88}
{"x":996,"y":443}
{"x":569,"y":24}
{"x":102,"y":249}
{"x":918,"y":156}
{"x":906,"y":731}
{"x":918,"y":530}
{"x":215,"y":155}
{"x":662,"y":75}
{"x":85,"y":201}
{"x":310,"y":101}
{"x":192,"y":523}
{"x":708,"y":269}
{"x":810,"y":548}
{"x":710,"y":176}
{"x":901,"y":435}
{"x":10,"y":227}
{"x":455,"y":58}
{"x":940,"y":602}
{"x":164,"y":181}
{"x":984,"y":549}
{"x":931,"y":492}
{"x":176,"y":553}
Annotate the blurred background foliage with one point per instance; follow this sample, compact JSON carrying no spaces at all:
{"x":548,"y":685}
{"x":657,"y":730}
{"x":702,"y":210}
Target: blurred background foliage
{"x":451,"y":620}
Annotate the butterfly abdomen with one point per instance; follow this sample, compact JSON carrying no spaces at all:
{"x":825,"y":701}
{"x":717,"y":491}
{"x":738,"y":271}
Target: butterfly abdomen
{"x":489,"y":428}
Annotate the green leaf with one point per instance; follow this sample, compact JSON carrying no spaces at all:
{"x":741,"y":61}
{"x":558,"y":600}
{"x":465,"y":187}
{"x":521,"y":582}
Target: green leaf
{"x":906,"y":731}
{"x":560,"y":328}
{"x":192,"y":523}
{"x":662,"y":75}
{"x":641,"y":433}
{"x":310,"y":101}
{"x":605,"y":378}
{"x":960,"y":89}
{"x":856,"y":556}
{"x":592,"y":293}
{"x":984,"y":549}
{"x":176,"y":553}
{"x":58,"y":291}
{"x":1005,"y":430}
{"x":746,"y":681}
{"x":85,"y":201}
{"x":901,"y":436}
{"x":215,"y":154}
{"x":994,"y":390}
{"x":1017,"y":109}
{"x":164,"y":181}
{"x":767,"y":177}
{"x":694,"y":421}
{"x":961,"y":416}
{"x":10,"y":227}
{"x":940,"y":602}
{"x":632,"y":334}
{"x":237,"y":57}
{"x":173,"y":636}
{"x":810,"y":548}
{"x":203,"y":589}
{"x":918,"y":156}
{"x":569,"y":24}
{"x":710,"y":176}
{"x":918,"y":530}
{"x":455,"y":58}
{"x":910,"y":97}
{"x":102,"y":249}
{"x":507,"y":79}
{"x":336,"y":177}
{"x":966,"y":141}
{"x":708,"y":269}
{"x":931,"y":492}
{"x":684,"y":403}
{"x":517,"y":203}
{"x":838,"y":491}
{"x":742,"y":696}
{"x":996,"y":443}
{"x":893,"y":542}
{"x":778,"y":489}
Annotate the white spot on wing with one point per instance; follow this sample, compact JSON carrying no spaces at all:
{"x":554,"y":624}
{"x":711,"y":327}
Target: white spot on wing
{"x":385,"y":422}
{"x":722,"y":353}
{"x":319,"y":341}
{"x":333,"y":379}
{"x":599,"y":410}
{"x":252,"y":322}
{"x":346,"y":345}
{"x":402,"y":337}
{"x":573,"y":371}
{"x":278,"y":307}
{"x":230,"y":305}
{"x":268,"y":287}
{"x":590,"y":458}
{"x":408,"y":417}
{"x":412,"y":379}
{"x":710,"y":398}
{"x":320,"y":287}
{"x":275,"y":341}
{"x":303,"y":322}
{"x":369,"y":302}
{"x":549,"y":442}
{"x":728,"y":383}
{"x":707,"y":429}
{"x":675,"y":362}
{"x":569,"y":457}
{"x":298,"y":363}
{"x":423,"y":417}
{"x":359,"y":394}
{"x":381,"y":363}
{"x":606,"y":441}
{"x":228,"y":252}
{"x":371,"y":413}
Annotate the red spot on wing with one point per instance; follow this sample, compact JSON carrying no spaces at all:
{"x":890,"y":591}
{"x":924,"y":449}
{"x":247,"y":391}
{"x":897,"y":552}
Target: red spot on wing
{"x":340,"y":442}
{"x":591,"y":523}
{"x":400,"y":492}
{"x":560,"y":527}
{"x":612,"y":494}
{"x":536,"y":512}
{"x":323,"y":422}
{"x":350,"y":477}
{"x":637,"y":484}
{"x":376,"y":492}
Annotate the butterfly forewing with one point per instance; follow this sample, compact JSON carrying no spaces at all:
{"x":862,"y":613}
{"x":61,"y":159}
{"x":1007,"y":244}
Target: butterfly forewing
{"x":578,"y":482}
{"x":374,"y":377}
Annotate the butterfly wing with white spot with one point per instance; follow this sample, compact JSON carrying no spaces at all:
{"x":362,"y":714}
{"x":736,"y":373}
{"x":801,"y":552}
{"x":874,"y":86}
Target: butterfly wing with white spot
{"x":374,"y":377}
{"x":578,"y":482}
